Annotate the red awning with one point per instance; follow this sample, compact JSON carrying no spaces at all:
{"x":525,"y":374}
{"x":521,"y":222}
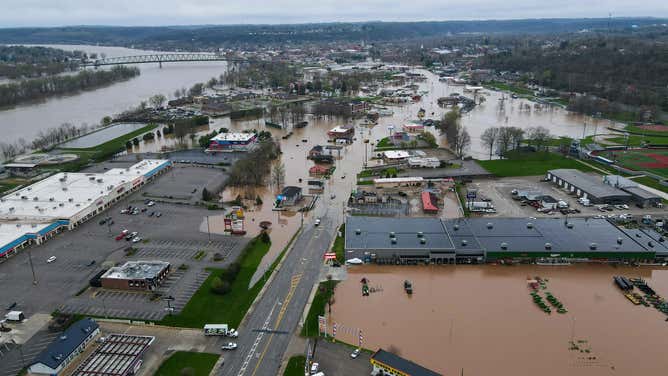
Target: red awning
{"x":427,"y":205}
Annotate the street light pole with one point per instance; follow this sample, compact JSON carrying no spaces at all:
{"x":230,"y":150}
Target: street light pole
{"x":208,"y":228}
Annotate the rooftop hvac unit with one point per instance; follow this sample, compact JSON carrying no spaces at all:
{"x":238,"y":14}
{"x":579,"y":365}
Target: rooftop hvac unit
{"x":423,"y":241}
{"x":504,"y":246}
{"x":29,"y":188}
{"x":70,"y":199}
{"x":529,"y":225}
{"x":392,"y":234}
{"x":33,"y":225}
{"x":569,"y":225}
{"x":456,"y":227}
{"x":91,"y":178}
{"x":464,"y":242}
{"x":661,"y":239}
{"x":12,"y":209}
{"x":99,"y":180}
{"x":24,"y":197}
{"x":394,"y":240}
{"x":18,"y":225}
{"x":77,"y":205}
{"x":35,"y":198}
{"x":61,"y":204}
{"x":548,"y":245}
{"x":2,"y":200}
{"x":64,"y":188}
{"x":593,"y":246}
{"x":51,"y":199}
{"x":420,"y":234}
{"x":650,"y":244}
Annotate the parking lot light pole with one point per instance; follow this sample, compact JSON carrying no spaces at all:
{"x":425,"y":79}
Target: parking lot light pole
{"x":208,"y":228}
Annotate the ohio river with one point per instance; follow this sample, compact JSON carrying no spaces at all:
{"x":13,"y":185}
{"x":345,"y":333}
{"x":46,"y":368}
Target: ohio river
{"x":91,"y":106}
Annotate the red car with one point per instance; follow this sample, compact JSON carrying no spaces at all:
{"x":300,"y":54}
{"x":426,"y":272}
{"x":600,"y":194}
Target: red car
{"x":119,"y":237}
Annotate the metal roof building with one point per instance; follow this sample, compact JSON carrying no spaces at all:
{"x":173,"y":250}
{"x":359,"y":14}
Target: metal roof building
{"x":63,"y":350}
{"x":119,"y":355}
{"x":411,"y":240}
{"x":588,"y":186}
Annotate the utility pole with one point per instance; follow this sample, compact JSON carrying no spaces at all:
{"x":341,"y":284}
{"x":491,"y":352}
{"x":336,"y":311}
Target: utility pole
{"x":208,"y":228}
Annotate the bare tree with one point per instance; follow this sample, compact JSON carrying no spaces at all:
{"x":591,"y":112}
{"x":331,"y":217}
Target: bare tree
{"x":505,"y":140}
{"x":463,"y":142}
{"x":516,"y":137}
{"x":539,"y":137}
{"x":278,"y":175}
{"x":489,"y":138}
{"x":157,"y":100}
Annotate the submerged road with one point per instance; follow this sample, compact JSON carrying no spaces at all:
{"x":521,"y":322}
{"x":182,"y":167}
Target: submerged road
{"x":265,"y":336}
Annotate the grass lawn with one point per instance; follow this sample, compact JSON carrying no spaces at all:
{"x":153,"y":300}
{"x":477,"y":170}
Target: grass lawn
{"x":652,"y":183}
{"x":295,"y":366}
{"x":384,"y":143}
{"x":201,"y":363}
{"x":638,"y":140}
{"x":339,"y":244}
{"x":528,"y":164}
{"x":322,"y":296}
{"x":512,"y":88}
{"x":207,"y":307}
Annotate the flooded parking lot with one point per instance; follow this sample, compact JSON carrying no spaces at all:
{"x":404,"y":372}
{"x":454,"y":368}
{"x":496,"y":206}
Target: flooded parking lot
{"x":482,"y":320}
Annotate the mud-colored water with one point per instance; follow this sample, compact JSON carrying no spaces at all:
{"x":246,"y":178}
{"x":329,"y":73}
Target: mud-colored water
{"x":481,"y":319}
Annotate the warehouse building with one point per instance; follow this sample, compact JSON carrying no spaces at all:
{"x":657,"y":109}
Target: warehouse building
{"x":136,"y":275}
{"x":65,"y":348}
{"x":475,"y":240}
{"x":64,"y":201}
{"x":588,"y":187}
{"x":640,"y":196}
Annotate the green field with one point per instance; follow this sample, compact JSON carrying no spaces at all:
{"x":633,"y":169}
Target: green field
{"x":339,"y":244}
{"x":652,"y":160}
{"x":295,"y":366}
{"x":205,"y":306}
{"x":512,"y":88}
{"x":652,"y":183}
{"x":200,"y":364}
{"x":322,"y":296}
{"x":530,"y":163}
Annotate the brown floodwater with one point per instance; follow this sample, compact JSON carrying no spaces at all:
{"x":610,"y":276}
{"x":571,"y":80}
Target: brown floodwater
{"x":481,"y":319}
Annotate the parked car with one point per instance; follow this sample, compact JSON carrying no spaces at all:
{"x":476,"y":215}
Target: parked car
{"x":315,"y":367}
{"x":134,"y":233}
{"x":151,"y":203}
{"x":233,"y":333}
{"x":137,"y":239}
{"x":229,"y":346}
{"x":355,"y":353}
{"x":125,"y":231}
{"x":120,"y":236}
{"x":51,"y":259}
{"x":158,"y":214}
{"x":317,"y":221}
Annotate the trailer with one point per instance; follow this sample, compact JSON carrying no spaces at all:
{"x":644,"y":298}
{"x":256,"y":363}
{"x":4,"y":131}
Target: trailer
{"x":219,"y":330}
{"x":16,"y":316}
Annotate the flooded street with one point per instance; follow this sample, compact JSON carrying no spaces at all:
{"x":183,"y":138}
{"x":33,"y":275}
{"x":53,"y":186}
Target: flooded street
{"x":482,"y":320}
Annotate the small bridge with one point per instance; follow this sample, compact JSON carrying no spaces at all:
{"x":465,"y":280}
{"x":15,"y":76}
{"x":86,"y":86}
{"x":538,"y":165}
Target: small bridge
{"x":160,"y":58}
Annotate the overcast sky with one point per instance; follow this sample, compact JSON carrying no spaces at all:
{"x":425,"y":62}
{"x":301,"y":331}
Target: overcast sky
{"x":190,"y":12}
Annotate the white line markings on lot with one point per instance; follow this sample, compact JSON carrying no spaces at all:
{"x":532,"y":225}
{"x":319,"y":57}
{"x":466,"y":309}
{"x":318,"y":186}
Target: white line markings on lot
{"x":257,"y":341}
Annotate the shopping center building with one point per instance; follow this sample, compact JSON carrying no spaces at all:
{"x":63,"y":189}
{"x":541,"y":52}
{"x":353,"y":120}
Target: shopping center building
{"x":64,"y":201}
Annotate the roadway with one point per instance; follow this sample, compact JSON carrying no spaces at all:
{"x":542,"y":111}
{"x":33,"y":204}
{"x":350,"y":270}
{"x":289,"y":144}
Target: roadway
{"x":279,"y":310}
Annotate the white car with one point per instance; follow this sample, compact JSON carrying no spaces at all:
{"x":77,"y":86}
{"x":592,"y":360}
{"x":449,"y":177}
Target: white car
{"x":233,"y":333}
{"x":315,"y":367}
{"x":317,"y":221}
{"x":136,"y":239}
{"x":134,"y":233}
{"x":124,"y":232}
{"x":51,"y":259}
{"x":354,"y":261}
{"x":355,"y":353}
{"x":151,"y":203}
{"x":229,"y":346}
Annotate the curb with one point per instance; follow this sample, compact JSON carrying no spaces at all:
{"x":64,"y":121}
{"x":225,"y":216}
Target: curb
{"x":271,"y":277}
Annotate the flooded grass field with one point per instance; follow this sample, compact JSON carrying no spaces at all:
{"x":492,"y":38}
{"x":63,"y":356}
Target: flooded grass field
{"x":482,"y":320}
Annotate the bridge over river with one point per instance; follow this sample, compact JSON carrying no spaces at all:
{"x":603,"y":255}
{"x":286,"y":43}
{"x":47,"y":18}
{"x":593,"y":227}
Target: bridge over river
{"x":161,"y":58}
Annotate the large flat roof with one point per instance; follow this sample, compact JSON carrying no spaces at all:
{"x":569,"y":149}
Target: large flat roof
{"x":239,"y":136}
{"x":62,"y":195}
{"x":136,"y":270}
{"x":473,"y":235}
{"x":588,"y":183}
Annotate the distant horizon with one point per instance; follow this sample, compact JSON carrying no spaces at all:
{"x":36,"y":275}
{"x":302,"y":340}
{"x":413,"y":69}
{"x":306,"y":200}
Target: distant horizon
{"x":187,"y":25}
{"x":157,"y":13}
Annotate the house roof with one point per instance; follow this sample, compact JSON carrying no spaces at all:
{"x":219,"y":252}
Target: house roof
{"x":290,"y":191}
{"x":401,"y":364}
{"x":56,"y":353}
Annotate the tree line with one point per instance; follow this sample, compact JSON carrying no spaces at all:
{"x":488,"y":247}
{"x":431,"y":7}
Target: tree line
{"x":501,"y":140}
{"x":253,"y":169}
{"x":27,"y":62}
{"x":44,"y":87}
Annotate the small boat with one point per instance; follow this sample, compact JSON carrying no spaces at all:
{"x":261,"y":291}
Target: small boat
{"x":301,"y":124}
{"x":272,"y":124}
{"x":408,"y":286}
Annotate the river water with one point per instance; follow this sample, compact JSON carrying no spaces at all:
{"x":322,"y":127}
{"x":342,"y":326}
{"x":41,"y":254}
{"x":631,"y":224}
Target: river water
{"x":481,"y":319}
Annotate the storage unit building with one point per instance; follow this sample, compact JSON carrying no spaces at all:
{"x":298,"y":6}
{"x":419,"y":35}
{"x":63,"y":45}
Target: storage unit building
{"x":587,"y":186}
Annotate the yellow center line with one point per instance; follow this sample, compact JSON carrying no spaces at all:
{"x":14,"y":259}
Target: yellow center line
{"x":293,"y":286}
